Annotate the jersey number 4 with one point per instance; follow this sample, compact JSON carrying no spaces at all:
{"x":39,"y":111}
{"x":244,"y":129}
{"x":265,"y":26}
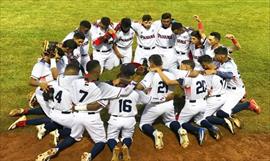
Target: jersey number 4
{"x":162,"y":87}
{"x":201,"y":87}
{"x":125,"y":105}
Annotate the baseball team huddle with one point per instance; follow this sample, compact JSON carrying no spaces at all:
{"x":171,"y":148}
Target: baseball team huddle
{"x":169,"y":56}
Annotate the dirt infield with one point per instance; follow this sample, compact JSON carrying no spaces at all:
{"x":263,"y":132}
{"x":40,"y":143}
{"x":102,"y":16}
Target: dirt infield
{"x":24,"y":146}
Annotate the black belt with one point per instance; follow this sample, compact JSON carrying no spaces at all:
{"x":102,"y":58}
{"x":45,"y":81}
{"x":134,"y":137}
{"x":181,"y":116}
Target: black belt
{"x":85,"y":55}
{"x":234,"y":88}
{"x":180,"y":53}
{"x":217,"y":95}
{"x":163,"y":47}
{"x":122,"y":47}
{"x":66,"y":112}
{"x":115,"y":116}
{"x":147,"y":48}
{"x":89,"y":113}
{"x":103,"y":51}
{"x":194,"y":101}
{"x":63,"y":112}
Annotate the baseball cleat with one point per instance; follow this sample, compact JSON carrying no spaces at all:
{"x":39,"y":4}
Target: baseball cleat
{"x":184,"y":141}
{"x":46,"y":155}
{"x":215,"y":132}
{"x":40,"y":131}
{"x":86,"y":156}
{"x":125,"y":151}
{"x":229,"y":125}
{"x":236,"y":121}
{"x":116,"y":152}
{"x":14,"y":124}
{"x":16,"y":112}
{"x":201,"y":135}
{"x":158,"y":139}
{"x":253,"y":106}
{"x":55,"y":135}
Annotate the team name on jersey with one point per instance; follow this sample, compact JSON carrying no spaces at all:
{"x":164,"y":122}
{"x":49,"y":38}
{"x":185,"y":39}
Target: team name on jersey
{"x":165,"y":36}
{"x":147,"y":37}
{"x":182,"y":41}
{"x":126,"y":40}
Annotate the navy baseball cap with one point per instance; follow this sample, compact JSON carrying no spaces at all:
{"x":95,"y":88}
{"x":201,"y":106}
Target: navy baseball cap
{"x":128,"y":69}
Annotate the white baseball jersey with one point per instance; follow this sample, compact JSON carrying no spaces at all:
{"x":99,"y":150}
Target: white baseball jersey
{"x":96,"y":32}
{"x":42,"y":71}
{"x":230,"y":66}
{"x":126,"y":106}
{"x":179,"y":73}
{"x":84,"y":92}
{"x":182,"y":42}
{"x":123,"y":39}
{"x":85,"y":46}
{"x":196,"y":53}
{"x":165,"y":37}
{"x":145,"y":37}
{"x":215,"y":85}
{"x":158,"y":87}
{"x":195,"y":88}
{"x":62,"y":96}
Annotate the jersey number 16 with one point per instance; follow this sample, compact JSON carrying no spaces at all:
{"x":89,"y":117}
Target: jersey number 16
{"x":125,"y":105}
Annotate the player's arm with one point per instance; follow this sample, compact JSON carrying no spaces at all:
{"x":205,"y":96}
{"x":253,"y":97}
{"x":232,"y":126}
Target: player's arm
{"x":53,"y":68}
{"x":168,"y":81}
{"x":200,"y":26}
{"x":116,"y":51}
{"x":236,"y":44}
{"x":222,"y":74}
{"x":93,"y":106}
{"x":109,"y":34}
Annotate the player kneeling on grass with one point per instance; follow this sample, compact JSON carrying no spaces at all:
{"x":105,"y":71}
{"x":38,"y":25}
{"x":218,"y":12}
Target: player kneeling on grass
{"x":235,"y":91}
{"x":45,"y":71}
{"x":165,"y":109}
{"x":123,"y":111}
{"x":195,"y":104}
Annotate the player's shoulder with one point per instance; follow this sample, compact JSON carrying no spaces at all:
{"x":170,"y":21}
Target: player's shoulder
{"x":168,"y":73}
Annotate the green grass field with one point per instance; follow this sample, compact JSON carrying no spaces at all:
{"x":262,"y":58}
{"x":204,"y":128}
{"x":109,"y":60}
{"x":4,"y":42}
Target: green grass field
{"x":26,"y":24}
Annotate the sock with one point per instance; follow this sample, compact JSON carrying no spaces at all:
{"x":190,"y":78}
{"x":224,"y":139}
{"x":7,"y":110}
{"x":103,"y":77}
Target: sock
{"x":34,"y":111}
{"x":63,"y":133}
{"x":206,"y":124}
{"x":240,"y":107}
{"x":216,"y":120}
{"x":111,"y":144}
{"x":21,"y":124}
{"x":98,"y":147}
{"x":38,"y":121}
{"x":51,"y":126}
{"x":222,"y":114}
{"x":175,"y":126}
{"x":148,"y":130}
{"x":127,"y":142}
{"x":67,"y":142}
{"x":190,"y":128}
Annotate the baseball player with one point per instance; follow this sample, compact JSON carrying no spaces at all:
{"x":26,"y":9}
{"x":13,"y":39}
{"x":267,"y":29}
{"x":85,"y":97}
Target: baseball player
{"x":227,"y":69}
{"x":195,"y":92}
{"x":182,"y":41}
{"x":213,"y":40}
{"x":81,"y":53}
{"x":146,"y":39}
{"x":103,"y":36}
{"x":44,"y":72}
{"x":124,"y":40}
{"x":153,"y":110}
{"x":165,"y":41}
{"x":197,"y":48}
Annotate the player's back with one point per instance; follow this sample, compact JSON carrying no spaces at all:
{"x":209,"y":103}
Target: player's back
{"x":195,"y":88}
{"x":124,"y":106}
{"x":84,"y":92}
{"x":158,"y":87}
{"x":215,"y":84}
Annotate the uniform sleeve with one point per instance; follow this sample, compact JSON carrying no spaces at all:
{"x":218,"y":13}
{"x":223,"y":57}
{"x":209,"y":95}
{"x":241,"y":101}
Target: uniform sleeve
{"x":187,"y":82}
{"x":143,"y":98}
{"x":37,"y":71}
{"x":69,"y":36}
{"x":135,"y":26}
{"x":147,"y":80}
{"x":179,"y":73}
{"x":157,"y":24}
